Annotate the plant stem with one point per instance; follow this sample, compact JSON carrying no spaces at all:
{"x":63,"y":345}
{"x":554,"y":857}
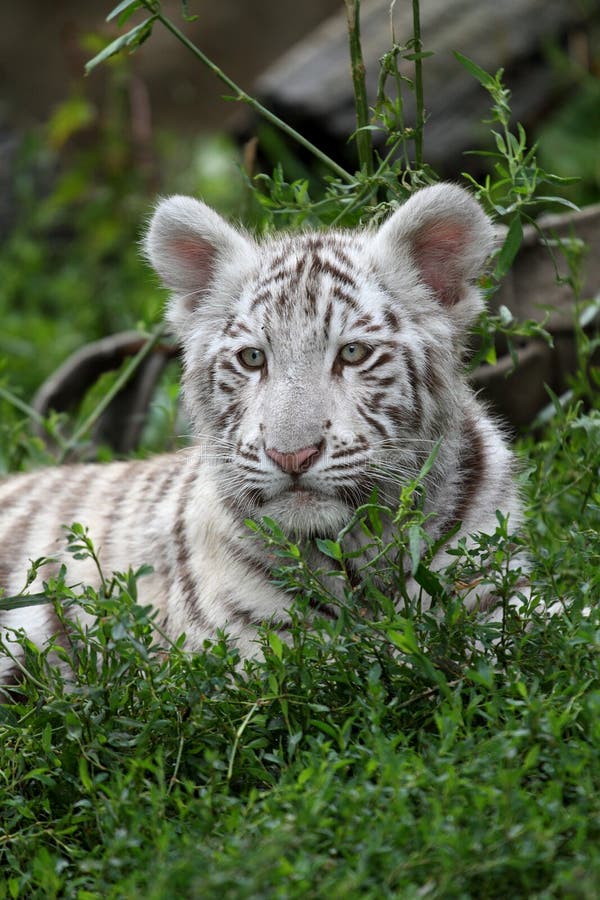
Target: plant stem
{"x":420,"y":113}
{"x":357,"y":66}
{"x":241,"y":95}
{"x":34,"y":415}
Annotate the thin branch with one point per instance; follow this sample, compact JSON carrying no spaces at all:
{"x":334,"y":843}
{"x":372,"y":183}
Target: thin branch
{"x":420,"y":115}
{"x":242,"y":96}
{"x":362,"y":136}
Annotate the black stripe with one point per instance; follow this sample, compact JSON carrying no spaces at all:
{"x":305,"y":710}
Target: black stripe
{"x":342,"y":256}
{"x":471,"y":469}
{"x":398,"y":416}
{"x":311,"y":300}
{"x":380,"y":382}
{"x":254,"y":563}
{"x":381,"y":360}
{"x":14,"y":543}
{"x":15,"y":487}
{"x":272,"y":279}
{"x":234,"y":612}
{"x":67,"y":510}
{"x":346,"y":298}
{"x":260,"y":299}
{"x":432,"y":379}
{"x":229,"y":367}
{"x":415,"y":382}
{"x":329,"y":268}
{"x":339,"y":467}
{"x":327,"y":319}
{"x":159,"y":481}
{"x":375,"y":401}
{"x":248,"y":454}
{"x":362,"y":321}
{"x":391,"y":319}
{"x":347,"y":451}
{"x":184,"y":575}
{"x":375,"y":424}
{"x":277,"y":261}
{"x":229,"y":413}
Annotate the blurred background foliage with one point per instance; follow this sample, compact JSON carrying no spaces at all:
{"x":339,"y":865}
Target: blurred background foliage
{"x":70,"y":268}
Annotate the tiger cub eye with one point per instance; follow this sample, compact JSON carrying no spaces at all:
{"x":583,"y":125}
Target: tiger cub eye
{"x":252,"y":358}
{"x":354,"y":353}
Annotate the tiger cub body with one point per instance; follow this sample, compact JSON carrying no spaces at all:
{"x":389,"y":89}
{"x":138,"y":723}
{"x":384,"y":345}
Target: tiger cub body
{"x":317,"y":366}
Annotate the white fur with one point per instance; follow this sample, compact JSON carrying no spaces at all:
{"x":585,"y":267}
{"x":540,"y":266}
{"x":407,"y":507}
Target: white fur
{"x":406,"y":291}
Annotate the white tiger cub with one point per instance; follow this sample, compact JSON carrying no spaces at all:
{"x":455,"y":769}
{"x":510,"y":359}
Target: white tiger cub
{"x":316,"y":366}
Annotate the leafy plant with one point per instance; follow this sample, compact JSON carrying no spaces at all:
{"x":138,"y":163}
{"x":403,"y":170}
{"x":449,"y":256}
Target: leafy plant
{"x":513,"y":191}
{"x":129,"y":770}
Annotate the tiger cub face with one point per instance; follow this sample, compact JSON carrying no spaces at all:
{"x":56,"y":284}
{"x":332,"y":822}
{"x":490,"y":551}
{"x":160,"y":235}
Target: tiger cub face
{"x":320,"y":365}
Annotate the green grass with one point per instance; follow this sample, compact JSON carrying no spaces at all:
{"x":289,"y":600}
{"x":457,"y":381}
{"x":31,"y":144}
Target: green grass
{"x":404,"y":755}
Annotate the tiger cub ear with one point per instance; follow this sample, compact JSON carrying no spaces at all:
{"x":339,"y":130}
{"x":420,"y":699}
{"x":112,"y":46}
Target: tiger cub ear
{"x":196,"y":254}
{"x":441,"y":238}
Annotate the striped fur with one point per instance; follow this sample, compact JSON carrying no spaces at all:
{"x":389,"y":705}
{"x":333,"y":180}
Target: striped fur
{"x":316,"y":366}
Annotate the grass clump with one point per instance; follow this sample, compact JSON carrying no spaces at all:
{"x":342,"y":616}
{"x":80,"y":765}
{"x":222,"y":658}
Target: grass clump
{"x":381,"y":755}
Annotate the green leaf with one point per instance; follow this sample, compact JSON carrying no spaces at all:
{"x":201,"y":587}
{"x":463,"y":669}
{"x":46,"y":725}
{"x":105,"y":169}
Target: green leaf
{"x":414,"y":547}
{"x":562,"y":201}
{"x":126,"y":5}
{"x":551,"y":178}
{"x":305,"y":775}
{"x":71,"y":117}
{"x":531,"y":757}
{"x":276,"y":644}
{"x":589,"y":423}
{"x":430,"y":460}
{"x":325,"y":727}
{"x":133,"y":39}
{"x":491,"y":357}
{"x":375,"y":522}
{"x":405,"y":640}
{"x":484,"y":78}
{"x":330,"y":548}
{"x":7,"y":603}
{"x":428,"y":580}
{"x":500,"y":143}
{"x":510,"y":248}
{"x":425,"y":54}
{"x":272,"y":526}
{"x":84,"y":774}
{"x":47,"y":738}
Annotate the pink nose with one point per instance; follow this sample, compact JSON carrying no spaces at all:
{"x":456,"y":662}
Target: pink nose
{"x":296,"y":461}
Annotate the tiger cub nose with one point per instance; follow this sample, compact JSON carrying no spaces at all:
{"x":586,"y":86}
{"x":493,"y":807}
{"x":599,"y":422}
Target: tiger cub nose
{"x":296,"y":461}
